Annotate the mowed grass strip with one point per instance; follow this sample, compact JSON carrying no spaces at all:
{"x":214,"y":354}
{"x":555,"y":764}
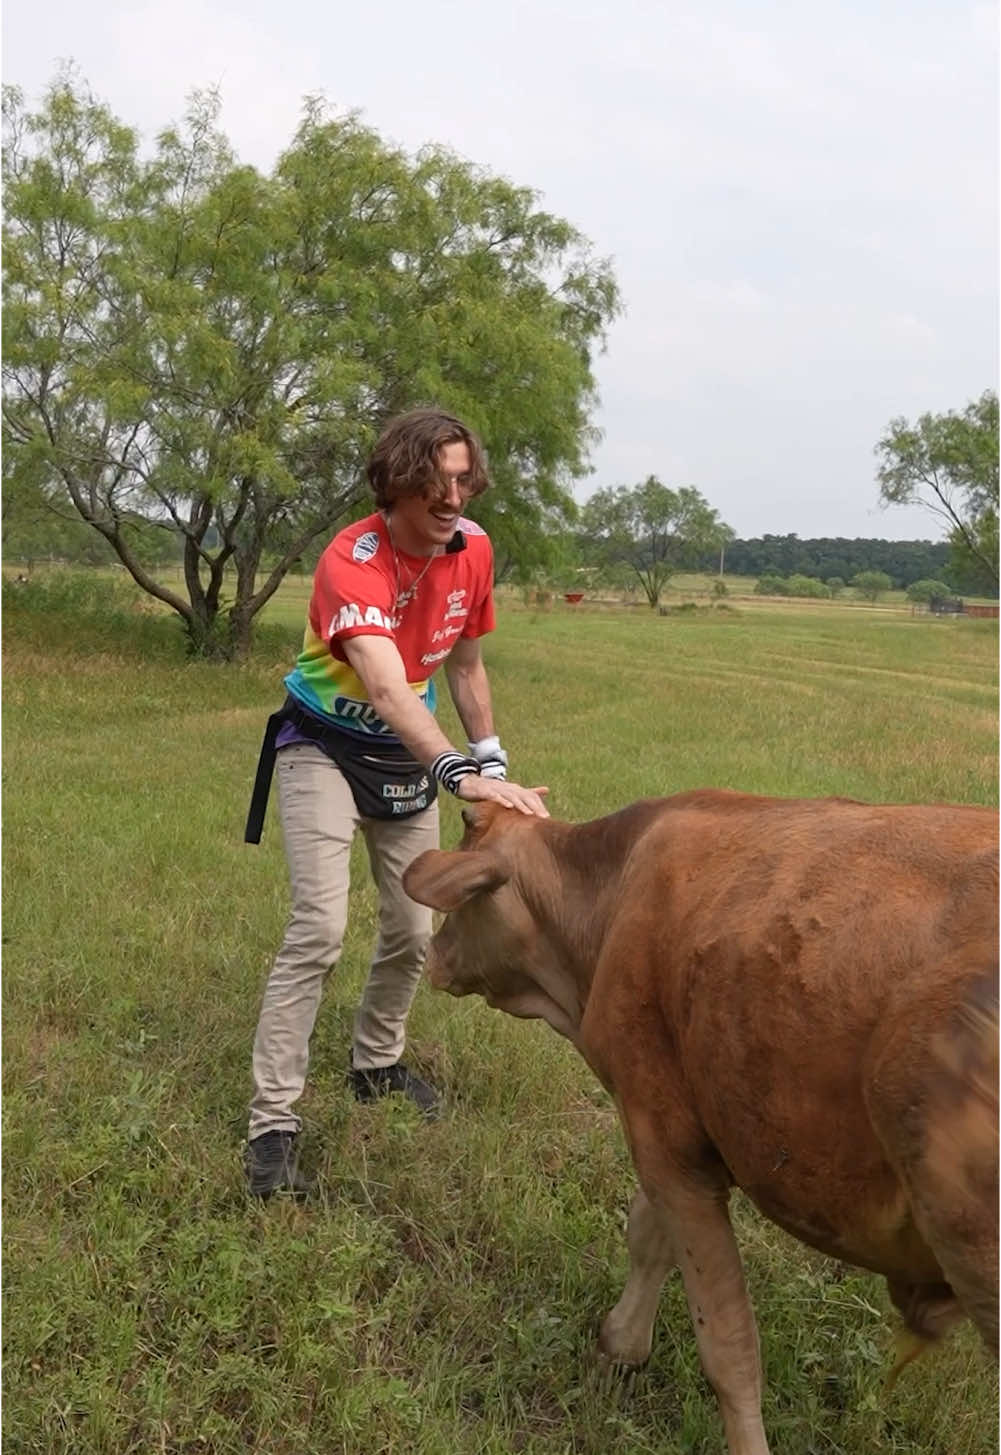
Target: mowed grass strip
{"x":443,"y":1293}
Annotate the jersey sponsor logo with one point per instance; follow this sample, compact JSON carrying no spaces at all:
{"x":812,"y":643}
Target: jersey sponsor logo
{"x":359,"y":715}
{"x":365,"y":546}
{"x":362,"y":715}
{"x":352,"y":615}
{"x":455,"y":606}
{"x":429,"y":658}
{"x":443,"y":633}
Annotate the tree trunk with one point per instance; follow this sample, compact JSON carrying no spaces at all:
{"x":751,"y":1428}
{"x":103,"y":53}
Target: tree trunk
{"x":239,"y":634}
{"x":207,"y":637}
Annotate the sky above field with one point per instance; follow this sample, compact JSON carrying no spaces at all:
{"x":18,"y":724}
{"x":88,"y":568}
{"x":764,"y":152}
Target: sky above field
{"x":800,"y":201}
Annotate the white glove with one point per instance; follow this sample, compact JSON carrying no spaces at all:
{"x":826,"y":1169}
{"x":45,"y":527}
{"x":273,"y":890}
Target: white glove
{"x":490,"y":756}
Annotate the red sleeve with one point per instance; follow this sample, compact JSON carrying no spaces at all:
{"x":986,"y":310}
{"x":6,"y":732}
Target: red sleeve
{"x":350,"y":598}
{"x":481,"y":614}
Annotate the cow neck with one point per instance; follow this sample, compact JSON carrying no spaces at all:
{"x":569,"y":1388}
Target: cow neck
{"x":589,"y":861}
{"x":569,"y":928}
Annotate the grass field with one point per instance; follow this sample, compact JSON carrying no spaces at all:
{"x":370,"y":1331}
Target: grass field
{"x":443,"y":1293}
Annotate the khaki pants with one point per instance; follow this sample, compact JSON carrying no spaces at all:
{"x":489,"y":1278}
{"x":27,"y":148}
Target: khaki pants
{"x":319,"y":819}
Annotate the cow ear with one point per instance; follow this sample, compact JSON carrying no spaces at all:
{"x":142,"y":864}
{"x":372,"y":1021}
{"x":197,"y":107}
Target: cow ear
{"x":444,"y":879}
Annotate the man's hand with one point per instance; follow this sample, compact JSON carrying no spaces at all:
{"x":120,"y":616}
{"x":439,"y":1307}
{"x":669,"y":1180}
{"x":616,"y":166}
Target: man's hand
{"x":475,"y":789}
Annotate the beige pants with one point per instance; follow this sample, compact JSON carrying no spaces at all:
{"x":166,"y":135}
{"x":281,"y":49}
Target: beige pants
{"x":319,"y":819}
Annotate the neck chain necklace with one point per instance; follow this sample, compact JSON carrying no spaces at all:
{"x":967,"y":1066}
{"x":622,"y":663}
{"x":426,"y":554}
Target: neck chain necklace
{"x":403,"y":598}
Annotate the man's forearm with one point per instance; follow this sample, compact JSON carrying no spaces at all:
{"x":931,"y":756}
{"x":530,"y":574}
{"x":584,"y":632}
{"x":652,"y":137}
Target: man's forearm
{"x":412,"y":723}
{"x":470,"y":690}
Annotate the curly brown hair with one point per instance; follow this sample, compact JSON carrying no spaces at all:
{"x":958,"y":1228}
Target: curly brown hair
{"x":405,"y":458}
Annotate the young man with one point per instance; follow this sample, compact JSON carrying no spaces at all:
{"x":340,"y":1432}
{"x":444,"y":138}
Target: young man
{"x":395,"y":596}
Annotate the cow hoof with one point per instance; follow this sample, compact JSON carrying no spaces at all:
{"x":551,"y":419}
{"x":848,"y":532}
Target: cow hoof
{"x":618,"y":1365}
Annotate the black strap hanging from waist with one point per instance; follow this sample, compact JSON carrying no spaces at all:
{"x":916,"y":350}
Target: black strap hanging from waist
{"x":309,"y":727}
{"x":288,"y":712}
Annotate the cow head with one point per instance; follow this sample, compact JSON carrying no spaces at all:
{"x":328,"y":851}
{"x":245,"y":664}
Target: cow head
{"x":492,"y":942}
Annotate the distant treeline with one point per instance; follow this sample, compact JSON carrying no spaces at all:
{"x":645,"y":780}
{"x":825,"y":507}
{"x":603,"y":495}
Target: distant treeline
{"x":903,"y":561}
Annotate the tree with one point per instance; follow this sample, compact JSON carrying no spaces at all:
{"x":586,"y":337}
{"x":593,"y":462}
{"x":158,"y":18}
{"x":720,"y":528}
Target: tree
{"x":872,"y":584}
{"x":652,"y":530}
{"x":925,"y":591}
{"x":35,"y":529}
{"x":828,"y":557}
{"x":835,"y":585}
{"x":32,"y":532}
{"x":192,"y":345}
{"x":948,"y":463}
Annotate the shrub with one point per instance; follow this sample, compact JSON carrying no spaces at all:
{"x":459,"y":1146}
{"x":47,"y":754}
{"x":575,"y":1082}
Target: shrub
{"x":110,"y":612}
{"x":771,"y":586}
{"x":71,"y":593}
{"x":923,"y":591}
{"x":806,"y":586}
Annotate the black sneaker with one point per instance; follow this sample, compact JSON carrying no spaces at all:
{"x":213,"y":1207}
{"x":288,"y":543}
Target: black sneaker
{"x":271,"y":1165}
{"x":378,"y":1081}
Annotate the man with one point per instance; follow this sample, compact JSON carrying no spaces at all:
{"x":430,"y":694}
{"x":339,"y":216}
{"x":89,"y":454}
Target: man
{"x":356,"y":745}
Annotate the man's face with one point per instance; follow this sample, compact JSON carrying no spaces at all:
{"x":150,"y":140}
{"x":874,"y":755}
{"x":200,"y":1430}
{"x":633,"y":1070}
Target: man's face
{"x":421,"y":522}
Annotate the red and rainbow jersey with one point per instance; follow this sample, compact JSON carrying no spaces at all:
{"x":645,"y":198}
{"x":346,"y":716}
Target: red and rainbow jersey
{"x":355,"y":592}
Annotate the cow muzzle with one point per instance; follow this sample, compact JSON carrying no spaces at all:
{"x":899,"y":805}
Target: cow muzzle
{"x":435,"y":969}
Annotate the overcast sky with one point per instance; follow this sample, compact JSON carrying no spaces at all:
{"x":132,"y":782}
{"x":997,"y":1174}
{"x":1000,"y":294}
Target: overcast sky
{"x":801,"y":201}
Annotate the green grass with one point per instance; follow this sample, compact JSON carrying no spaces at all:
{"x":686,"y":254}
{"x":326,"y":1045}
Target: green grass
{"x":443,"y":1293}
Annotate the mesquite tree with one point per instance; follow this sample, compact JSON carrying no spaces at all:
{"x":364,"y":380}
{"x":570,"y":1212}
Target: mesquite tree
{"x":194,"y":347}
{"x":948,"y":463}
{"x":652,"y":530}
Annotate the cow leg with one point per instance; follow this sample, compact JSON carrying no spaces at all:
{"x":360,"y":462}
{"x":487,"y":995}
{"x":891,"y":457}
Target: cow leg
{"x":627,"y":1333}
{"x":693,"y":1230}
{"x":721,"y":1313}
{"x":934,"y":1103}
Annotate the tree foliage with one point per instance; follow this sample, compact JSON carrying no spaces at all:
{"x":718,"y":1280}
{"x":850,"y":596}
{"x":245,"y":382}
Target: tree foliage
{"x":925,"y":591}
{"x":652,"y":530}
{"x":795,"y":585}
{"x":800,"y":585}
{"x":832,"y":556}
{"x":872,"y":584}
{"x":948,"y":464}
{"x":771,"y":584}
{"x":209,"y":352}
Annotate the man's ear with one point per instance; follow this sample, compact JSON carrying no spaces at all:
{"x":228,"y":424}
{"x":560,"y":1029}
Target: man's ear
{"x":444,"y":879}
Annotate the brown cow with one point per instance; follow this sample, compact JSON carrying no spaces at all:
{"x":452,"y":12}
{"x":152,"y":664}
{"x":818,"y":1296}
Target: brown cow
{"x":797,"y":997}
